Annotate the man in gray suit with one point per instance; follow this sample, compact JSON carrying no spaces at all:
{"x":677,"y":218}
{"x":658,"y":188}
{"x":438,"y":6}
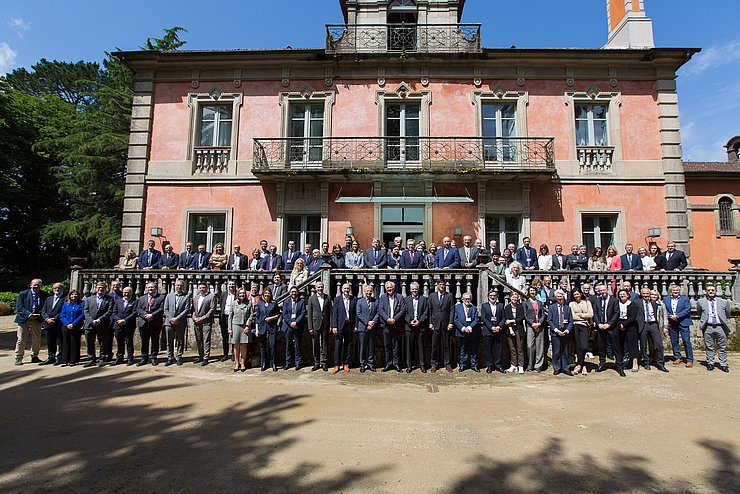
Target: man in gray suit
{"x":468,"y":253}
{"x":176,"y":312}
{"x":204,"y":306}
{"x":648,"y":326}
{"x":98,"y":308}
{"x":319,"y":313}
{"x":714,"y":316}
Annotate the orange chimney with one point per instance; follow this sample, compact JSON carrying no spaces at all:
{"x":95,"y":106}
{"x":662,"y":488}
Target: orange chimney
{"x":629,"y":27}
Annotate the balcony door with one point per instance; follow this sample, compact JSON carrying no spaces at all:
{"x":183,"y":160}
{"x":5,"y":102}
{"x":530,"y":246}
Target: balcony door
{"x":306,"y":133}
{"x":499,"y":122}
{"x":402,"y":221}
{"x":402,"y":129}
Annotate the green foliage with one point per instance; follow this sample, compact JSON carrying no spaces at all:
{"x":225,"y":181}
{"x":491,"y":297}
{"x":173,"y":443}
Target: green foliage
{"x":9,"y":298}
{"x":6,"y":309}
{"x":47,"y":288}
{"x":170,"y":41}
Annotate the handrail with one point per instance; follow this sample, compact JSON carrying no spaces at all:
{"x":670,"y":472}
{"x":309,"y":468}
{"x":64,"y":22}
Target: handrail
{"x":310,"y":279}
{"x":502,"y":281}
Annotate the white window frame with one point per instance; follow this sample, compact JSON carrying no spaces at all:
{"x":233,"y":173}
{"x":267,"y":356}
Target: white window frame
{"x":499,"y":95}
{"x":596,"y":232}
{"x":307,"y":120}
{"x":501,"y":240}
{"x":190,"y":215}
{"x":403,"y":93}
{"x":196,"y":102}
{"x":403,"y":161}
{"x":306,"y":96}
{"x":620,"y":227}
{"x":594,"y":96}
{"x":302,"y":240}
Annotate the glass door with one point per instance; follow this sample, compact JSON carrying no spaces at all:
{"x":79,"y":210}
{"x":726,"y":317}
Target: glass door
{"x":402,"y":130}
{"x":402,"y":221}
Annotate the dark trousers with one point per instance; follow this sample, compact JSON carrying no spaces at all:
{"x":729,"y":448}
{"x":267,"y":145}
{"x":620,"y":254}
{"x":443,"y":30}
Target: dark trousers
{"x":71,"y":339}
{"x":342,"y":343}
{"x":319,"y":343}
{"x":629,"y":339}
{"x":367,"y":348}
{"x":469,"y":350}
{"x":493,"y":351}
{"x":413,"y":339}
{"x":441,"y":347}
{"x":611,"y":337}
{"x":560,"y":346}
{"x":54,"y":341}
{"x":110,"y":342}
{"x":223,"y":322}
{"x":390,"y":344}
{"x":124,"y":340}
{"x":580,"y":333}
{"x":100,"y":333}
{"x":268,"y":342}
{"x":149,"y":334}
{"x":516,"y":348}
{"x":651,"y":332}
{"x":293,"y":346}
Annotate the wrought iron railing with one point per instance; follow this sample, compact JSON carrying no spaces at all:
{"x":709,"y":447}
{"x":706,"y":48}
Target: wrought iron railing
{"x":595,"y":158}
{"x":413,"y":153}
{"x":211,"y":159}
{"x":408,"y":38}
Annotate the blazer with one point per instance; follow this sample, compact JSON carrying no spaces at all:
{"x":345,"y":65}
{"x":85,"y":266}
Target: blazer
{"x":532,"y":316}
{"x":318,"y":318}
{"x":677,"y":260}
{"x":144,"y":261}
{"x":558,"y":262}
{"x":277,"y":263}
{"x":207,"y":308}
{"x":442,"y":312}
{"x":277,"y":290}
{"x":521,"y":257}
{"x":314,"y":265}
{"x":461,"y":321}
{"x":102,"y":313}
{"x":201,"y":261}
{"x":366,"y":314}
{"x":50,"y":310}
{"x":289,"y":260}
{"x":375,"y":260}
{"x":241,"y":314}
{"x":240,"y":260}
{"x":422,"y":312}
{"x":683,"y":311}
{"x":73,"y":313}
{"x":489,"y":320}
{"x":641,"y":314}
{"x":339,"y":314}
{"x":352,"y":260}
{"x":408,"y":263}
{"x":474,"y":251}
{"x":169,"y":261}
{"x":612,"y":312}
{"x":223,"y":299}
{"x":172,"y":309}
{"x":300,"y":313}
{"x":384,"y":309}
{"x":635,"y":265}
{"x":553,"y":319}
{"x":577,"y":262}
{"x":723,"y":308}
{"x":518,"y":316}
{"x":393,"y":263}
{"x":263,"y":312}
{"x":24,"y":305}
{"x":451,"y":261}
{"x":630,"y":323}
{"x":187,"y":260}
{"x":337,"y":261}
{"x":127,"y":313}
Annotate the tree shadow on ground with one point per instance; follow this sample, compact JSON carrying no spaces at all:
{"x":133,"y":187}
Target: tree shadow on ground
{"x":67,"y":433}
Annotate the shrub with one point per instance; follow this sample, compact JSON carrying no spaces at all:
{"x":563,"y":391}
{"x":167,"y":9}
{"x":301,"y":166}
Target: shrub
{"x":5,"y":309}
{"x":9,"y":298}
{"x":47,"y":288}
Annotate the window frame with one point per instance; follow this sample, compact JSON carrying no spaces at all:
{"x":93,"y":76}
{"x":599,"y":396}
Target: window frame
{"x":304,"y":232}
{"x":501,"y":96}
{"x":189,"y":226}
{"x":501,"y":245}
{"x":196,"y":103}
{"x":596,"y":232}
{"x":306,"y":96}
{"x":734,"y":216}
{"x":404,"y":94}
{"x":594,"y":96}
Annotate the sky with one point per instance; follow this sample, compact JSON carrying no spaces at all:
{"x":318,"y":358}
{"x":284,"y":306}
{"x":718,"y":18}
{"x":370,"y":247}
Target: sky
{"x":709,"y":85}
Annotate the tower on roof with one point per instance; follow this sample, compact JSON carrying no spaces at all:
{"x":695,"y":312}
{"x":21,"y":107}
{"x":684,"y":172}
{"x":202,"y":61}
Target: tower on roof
{"x":629,"y":26}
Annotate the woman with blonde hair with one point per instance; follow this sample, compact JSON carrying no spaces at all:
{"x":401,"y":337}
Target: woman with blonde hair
{"x":128,"y":262}
{"x":219,"y":258}
{"x":299,"y":273}
{"x":240,"y":324}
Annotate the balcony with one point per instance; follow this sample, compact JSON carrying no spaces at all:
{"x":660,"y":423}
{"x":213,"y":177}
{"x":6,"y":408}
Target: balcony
{"x":211,"y":159}
{"x":403,"y":38}
{"x":595,"y":158}
{"x":404,"y":154}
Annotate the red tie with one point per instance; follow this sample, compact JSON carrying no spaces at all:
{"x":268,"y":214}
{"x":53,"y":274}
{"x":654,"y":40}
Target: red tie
{"x":149,"y":305}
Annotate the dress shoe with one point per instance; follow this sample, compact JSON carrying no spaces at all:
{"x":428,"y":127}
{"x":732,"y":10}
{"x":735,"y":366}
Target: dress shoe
{"x":274,"y":368}
{"x":101,"y":363}
{"x":118,"y":361}
{"x":601,"y":368}
{"x":621,"y":372}
{"x":298,"y":367}
{"x":89,"y":363}
{"x":448,"y":368}
{"x":678,"y":361}
{"x":408,"y":370}
{"x":324,"y":367}
{"x":35,"y":360}
{"x":263,"y":368}
{"x":724,"y":368}
{"x":178,"y":361}
{"x":568,"y":373}
{"x":387,"y":368}
{"x":555,"y":373}
{"x":710,"y":367}
{"x":398,"y":369}
{"x":336,"y":370}
{"x":489,"y":370}
{"x":433,"y":369}
{"x":315,"y":367}
{"x":689,"y":364}
{"x":460,"y":369}
{"x":155,"y":361}
{"x":475,"y":369}
{"x":130,"y":362}
{"x":47,"y":362}
{"x":197,"y":360}
{"x":362,"y":368}
{"x":287,"y":366}
{"x":423,"y":370}
{"x":224,"y":358}
{"x":237,"y":369}
{"x":662,"y":368}
{"x":501,"y":370}
{"x":57,"y":362}
{"x":169,"y":362}
{"x":346,"y":368}
{"x":204,"y":363}
{"x":371,"y":368}
{"x":646,"y":366}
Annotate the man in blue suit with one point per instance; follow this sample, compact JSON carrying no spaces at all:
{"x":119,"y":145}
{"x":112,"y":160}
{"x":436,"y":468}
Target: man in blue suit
{"x":149,"y":257}
{"x":169,"y":259}
{"x":526,"y":255}
{"x":410,"y":259}
{"x":392,"y":310}
{"x":375,"y":257}
{"x":314,"y":264}
{"x":466,"y":329}
{"x":342,"y":324}
{"x":447,"y":257}
{"x":560,"y":321}
{"x":417,"y":322}
{"x":28,"y":309}
{"x":678,"y":310}
{"x":492,"y":321}
{"x":271,"y":262}
{"x":187,"y":258}
{"x":290,"y":256}
{"x":294,"y":319}
{"x":630,"y":261}
{"x":367,"y":320}
{"x":50,"y":313}
{"x":202,"y":258}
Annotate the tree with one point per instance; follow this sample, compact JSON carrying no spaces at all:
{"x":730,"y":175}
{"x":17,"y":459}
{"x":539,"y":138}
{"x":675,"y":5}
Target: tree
{"x":170,"y":41}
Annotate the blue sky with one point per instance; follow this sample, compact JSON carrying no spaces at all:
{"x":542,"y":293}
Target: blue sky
{"x":709,"y":86}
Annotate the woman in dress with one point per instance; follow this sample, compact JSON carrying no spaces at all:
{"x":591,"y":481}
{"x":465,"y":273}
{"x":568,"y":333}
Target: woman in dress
{"x":72,"y":317}
{"x":218,"y":259}
{"x":628,"y":327}
{"x":299,"y":273}
{"x":583,"y":315}
{"x":337,"y":258}
{"x":267,"y":317}
{"x":241,"y":319}
{"x":354,"y":258}
{"x":128,"y":262}
{"x":613,"y":261}
{"x":597,"y":261}
{"x":544,"y":259}
{"x":514,"y":322}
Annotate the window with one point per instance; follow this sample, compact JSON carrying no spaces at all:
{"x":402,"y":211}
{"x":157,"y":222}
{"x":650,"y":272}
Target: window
{"x":726,"y":220}
{"x":215,"y":126}
{"x":499,"y":120}
{"x":402,"y":129}
{"x":503,"y":229}
{"x":591,"y":125}
{"x":303,"y":230}
{"x":598,"y":230}
{"x":306,"y":124}
{"x":402,"y":221}
{"x":208,"y":229}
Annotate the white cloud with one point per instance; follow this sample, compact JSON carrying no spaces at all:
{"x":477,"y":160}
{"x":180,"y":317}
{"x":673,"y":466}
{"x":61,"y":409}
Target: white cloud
{"x":713,"y":58}
{"x":7,"y":57}
{"x":19,"y":25}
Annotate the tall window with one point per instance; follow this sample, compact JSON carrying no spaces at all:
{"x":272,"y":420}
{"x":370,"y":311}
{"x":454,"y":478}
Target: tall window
{"x":402,"y":221}
{"x":303,"y":230}
{"x":503,"y":229}
{"x":591,"y":128}
{"x":499,"y":120}
{"x":402,"y":128}
{"x":208,"y":229}
{"x":598,"y":230}
{"x":307,"y":125}
{"x":215,"y":126}
{"x":726,"y":221}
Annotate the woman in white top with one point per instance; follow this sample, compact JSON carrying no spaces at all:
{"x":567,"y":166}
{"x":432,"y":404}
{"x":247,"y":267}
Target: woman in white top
{"x":514,"y":277}
{"x":544,"y":259}
{"x":299,"y":273}
{"x":648,"y":263}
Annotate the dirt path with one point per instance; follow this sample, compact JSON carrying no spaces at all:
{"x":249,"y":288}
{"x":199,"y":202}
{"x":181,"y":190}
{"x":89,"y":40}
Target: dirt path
{"x":128,"y":429}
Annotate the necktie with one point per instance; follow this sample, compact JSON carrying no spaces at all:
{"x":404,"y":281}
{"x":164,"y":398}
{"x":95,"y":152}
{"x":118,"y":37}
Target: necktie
{"x":668,"y":256}
{"x":149,"y":304}
{"x":376,"y":254}
{"x":269,"y":264}
{"x":647,"y":318}
{"x":149,"y":259}
{"x":440,"y":298}
{"x":411,"y":255}
{"x":466,"y":311}
{"x":560,"y":312}
{"x":368,"y":304}
{"x":714,"y":312}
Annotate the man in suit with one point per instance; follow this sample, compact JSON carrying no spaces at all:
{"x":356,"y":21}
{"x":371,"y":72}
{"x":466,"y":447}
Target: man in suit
{"x":347,"y":244}
{"x":417,"y":322}
{"x":277,"y":287}
{"x":272,"y":261}
{"x":187,"y":258}
{"x":264,"y":251}
{"x":98,"y":308}
{"x":150,"y":309}
{"x":468,"y":253}
{"x":237,"y":261}
{"x":50,"y":315}
{"x":318,"y":314}
{"x":203,"y":310}
{"x":294,"y":320}
{"x":169,"y":259}
{"x":226,"y":301}
{"x":678,"y":310}
{"x":410,"y":259}
{"x":367,"y":320}
{"x":560,"y":322}
{"x":536,"y":317}
{"x":466,"y":329}
{"x":375,"y":257}
{"x":314,"y":264}
{"x":28,"y":308}
{"x":342,"y":322}
{"x":558,"y":259}
{"x":526,"y":255}
{"x":630,"y":261}
{"x":492,"y":321}
{"x":177,"y":307}
{"x":115,"y":294}
{"x":442,"y":305}
{"x":392,"y":310}
{"x":671,"y":259}
{"x":149,"y":257}
{"x":577,"y":260}
{"x":307,"y":252}
{"x":124,"y":324}
{"x":714,"y":321}
{"x":290,"y":256}
{"x":606,"y":319}
{"x":201,"y":259}
{"x":447,"y":256}
{"x":648,"y":326}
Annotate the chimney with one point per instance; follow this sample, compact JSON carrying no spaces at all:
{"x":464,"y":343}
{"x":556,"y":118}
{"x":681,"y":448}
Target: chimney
{"x":629,"y":27}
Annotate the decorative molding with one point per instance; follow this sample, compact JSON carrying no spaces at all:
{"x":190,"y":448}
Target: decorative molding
{"x":570,"y":78}
{"x":194,"y":79}
{"x":520,"y":79}
{"x":286,"y":77}
{"x":613,"y":101}
{"x":613,"y":81}
{"x":196,"y":101}
{"x":477,"y":77}
{"x":329,"y":76}
{"x":237,"y":78}
{"x":499,"y":94}
{"x":381,"y":76}
{"x":425,"y":76}
{"x":404,"y":93}
{"x":307,"y":94}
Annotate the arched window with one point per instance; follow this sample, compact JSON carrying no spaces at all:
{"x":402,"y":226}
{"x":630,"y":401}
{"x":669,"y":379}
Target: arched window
{"x":726,"y":221}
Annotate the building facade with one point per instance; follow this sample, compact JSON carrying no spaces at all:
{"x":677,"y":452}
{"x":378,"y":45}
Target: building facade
{"x":403,"y":125}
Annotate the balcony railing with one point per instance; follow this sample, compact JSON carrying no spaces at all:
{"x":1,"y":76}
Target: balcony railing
{"x":211,"y":159}
{"x":376,"y":154}
{"x":595,"y":158}
{"x":403,"y":38}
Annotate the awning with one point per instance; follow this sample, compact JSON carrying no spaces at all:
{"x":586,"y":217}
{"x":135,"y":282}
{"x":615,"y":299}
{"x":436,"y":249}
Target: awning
{"x":405,"y":199}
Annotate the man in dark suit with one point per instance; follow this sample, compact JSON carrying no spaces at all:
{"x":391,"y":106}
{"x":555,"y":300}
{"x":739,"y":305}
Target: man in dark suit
{"x":526,"y":255}
{"x":202,"y":258}
{"x":410,"y":259}
{"x":560,"y":322}
{"x":375,"y":257}
{"x":367,"y":320}
{"x":577,"y":260}
{"x":149,"y":309}
{"x":28,"y":308}
{"x":98,"y":308}
{"x":492,"y":322}
{"x":535,"y":316}
{"x":149,"y":257}
{"x":606,"y":320}
{"x":417,"y":322}
{"x":187,"y":258}
{"x":50,"y":314}
{"x":277,"y":287}
{"x":177,"y":306}
{"x":442,"y":306}
{"x":392,"y":310}
{"x":314,"y":264}
{"x":466,"y":329}
{"x":294,"y":320}
{"x":124,"y":324}
{"x":630,"y":261}
{"x":227,"y":299}
{"x":672,"y":259}
{"x":203,"y":312}
{"x":318,"y":314}
{"x":678,"y":310}
{"x":447,"y":257}
{"x":342,"y":322}
{"x":169,"y":259}
{"x":558,"y":259}
{"x":468,"y":253}
{"x":115,"y":294}
{"x":648,"y":326}
{"x":290,"y":256}
{"x":237,"y":261}
{"x":272,"y":261}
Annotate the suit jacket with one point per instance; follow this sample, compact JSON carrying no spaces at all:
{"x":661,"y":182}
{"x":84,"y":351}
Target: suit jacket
{"x":635,"y":265}
{"x":169,"y":261}
{"x":300,"y":313}
{"x":408,"y":263}
{"x":277,"y":263}
{"x":578,"y":262}
{"x":318,"y":318}
{"x":553,"y":319}
{"x":127,"y":313}
{"x":612,"y":312}
{"x":722,"y":307}
{"x":50,"y":310}
{"x":677,"y":260}
{"x":640,"y":304}
{"x":172,"y":309}
{"x":532,"y":316}
{"x":289,"y":260}
{"x":263,"y":312}
{"x":683,"y":311}
{"x":207,"y":308}
{"x":558,"y":264}
{"x":278,"y":290}
{"x":144,"y":261}
{"x":339,"y":313}
{"x":102,"y":313}
{"x":422,"y":312}
{"x":223,"y":300}
{"x":24,"y":305}
{"x":384,"y":309}
{"x":516,"y":314}
{"x":451,"y":261}
{"x":366,"y":314}
{"x":373,"y":260}
{"x":352,"y":261}
{"x":521,"y":257}
{"x":241,"y":261}
{"x":462,"y":321}
{"x":187,"y":260}
{"x":392,"y":262}
{"x":473,"y":258}
{"x":73,"y":314}
{"x":314,"y":265}
{"x":631,"y":320}
{"x":442,"y":312}
{"x":489,"y":320}
{"x":201,"y":261}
